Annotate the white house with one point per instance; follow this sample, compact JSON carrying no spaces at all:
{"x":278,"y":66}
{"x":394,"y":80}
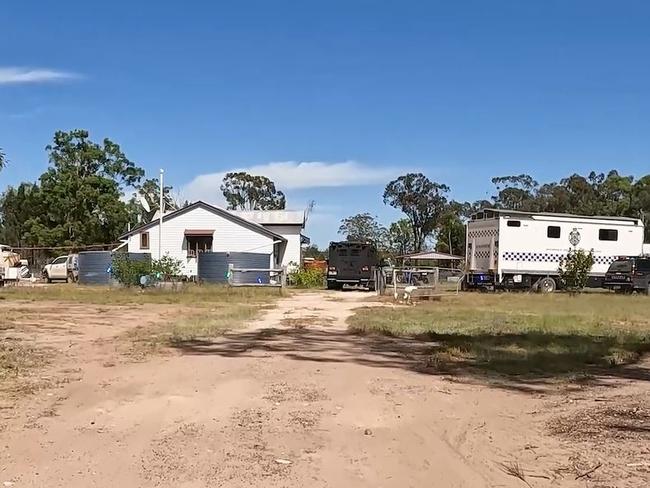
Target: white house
{"x":201,"y":227}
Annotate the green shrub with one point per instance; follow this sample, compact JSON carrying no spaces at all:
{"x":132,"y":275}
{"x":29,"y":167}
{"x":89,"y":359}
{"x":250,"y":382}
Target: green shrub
{"x":166,"y":267}
{"x":574,"y":269}
{"x":128,"y":271}
{"x":307,"y":278}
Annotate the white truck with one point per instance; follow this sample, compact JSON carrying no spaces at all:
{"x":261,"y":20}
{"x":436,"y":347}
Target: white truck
{"x":510,"y":249}
{"x":62,"y":268}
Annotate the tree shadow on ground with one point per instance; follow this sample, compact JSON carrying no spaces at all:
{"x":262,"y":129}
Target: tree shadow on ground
{"x":528,"y":362}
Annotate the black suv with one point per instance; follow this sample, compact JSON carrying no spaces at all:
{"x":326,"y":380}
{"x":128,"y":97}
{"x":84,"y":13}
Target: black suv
{"x":626,"y":275}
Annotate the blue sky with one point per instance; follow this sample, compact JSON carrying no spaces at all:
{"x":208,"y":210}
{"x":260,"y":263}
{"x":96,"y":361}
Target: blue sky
{"x":332,"y":98}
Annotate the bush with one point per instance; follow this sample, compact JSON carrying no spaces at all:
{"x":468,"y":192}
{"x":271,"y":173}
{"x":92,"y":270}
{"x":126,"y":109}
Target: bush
{"x":307,"y":278}
{"x":166,"y":267}
{"x":574,"y":269}
{"x":128,"y":271}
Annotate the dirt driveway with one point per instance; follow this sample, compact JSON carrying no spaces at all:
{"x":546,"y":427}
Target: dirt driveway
{"x":292,"y":400}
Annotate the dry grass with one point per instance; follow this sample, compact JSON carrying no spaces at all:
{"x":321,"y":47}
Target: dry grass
{"x":513,"y":469}
{"x":200,"y":326}
{"x":188,"y":294}
{"x":16,"y":361}
{"x":520,"y":333}
{"x":624,"y":417}
{"x":306,"y":321}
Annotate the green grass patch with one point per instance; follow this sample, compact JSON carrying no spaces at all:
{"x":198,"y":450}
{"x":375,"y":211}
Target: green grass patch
{"x":519,"y":334}
{"x":186,"y":294}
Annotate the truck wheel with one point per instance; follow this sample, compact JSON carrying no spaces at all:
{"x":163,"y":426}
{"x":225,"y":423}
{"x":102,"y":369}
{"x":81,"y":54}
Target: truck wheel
{"x":47,"y":277}
{"x":332,"y":286}
{"x":70,"y":278}
{"x":546,"y":285}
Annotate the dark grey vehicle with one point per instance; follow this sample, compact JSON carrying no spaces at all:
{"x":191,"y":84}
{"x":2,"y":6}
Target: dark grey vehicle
{"x":629,"y":274}
{"x":351,"y":263}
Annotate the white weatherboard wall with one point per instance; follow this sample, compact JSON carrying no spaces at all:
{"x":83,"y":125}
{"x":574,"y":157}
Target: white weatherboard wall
{"x":228,"y":236}
{"x":293,"y":253}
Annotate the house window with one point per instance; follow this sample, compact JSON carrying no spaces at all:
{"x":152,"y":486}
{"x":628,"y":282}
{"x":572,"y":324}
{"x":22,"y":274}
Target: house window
{"x":607,"y":235}
{"x":144,"y":240}
{"x":197,"y":244}
{"x":553,"y":231}
{"x":514,"y":223}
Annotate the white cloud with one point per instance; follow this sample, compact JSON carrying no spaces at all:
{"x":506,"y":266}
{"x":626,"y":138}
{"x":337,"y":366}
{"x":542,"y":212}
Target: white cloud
{"x":295,"y":175}
{"x":16,"y":75}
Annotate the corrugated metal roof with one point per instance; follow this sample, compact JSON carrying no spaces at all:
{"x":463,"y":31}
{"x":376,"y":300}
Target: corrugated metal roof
{"x":219,"y":211}
{"x":432,"y":255}
{"x":272,"y":217}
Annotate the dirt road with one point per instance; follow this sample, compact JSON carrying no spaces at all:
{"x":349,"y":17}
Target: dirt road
{"x":290,"y":401}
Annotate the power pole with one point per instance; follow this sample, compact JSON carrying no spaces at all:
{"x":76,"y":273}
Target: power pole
{"x":161,"y":209}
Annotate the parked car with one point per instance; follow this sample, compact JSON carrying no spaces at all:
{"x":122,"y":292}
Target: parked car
{"x":351,"y":263}
{"x":62,"y":268}
{"x":629,"y":274}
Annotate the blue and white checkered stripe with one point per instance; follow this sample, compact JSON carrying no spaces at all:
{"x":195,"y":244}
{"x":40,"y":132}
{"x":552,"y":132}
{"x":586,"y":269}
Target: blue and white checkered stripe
{"x":545,"y":257}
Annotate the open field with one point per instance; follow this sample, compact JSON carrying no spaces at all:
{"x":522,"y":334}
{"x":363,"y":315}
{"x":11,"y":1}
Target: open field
{"x":247,"y":388}
{"x":520,"y":334}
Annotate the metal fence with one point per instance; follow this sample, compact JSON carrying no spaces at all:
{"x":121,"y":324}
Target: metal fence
{"x":418,"y":282}
{"x":262,"y":277}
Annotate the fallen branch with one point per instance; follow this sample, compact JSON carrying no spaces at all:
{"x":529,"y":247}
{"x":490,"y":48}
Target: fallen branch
{"x":587,"y":473}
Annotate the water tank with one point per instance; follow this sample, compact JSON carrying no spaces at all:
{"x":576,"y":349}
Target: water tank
{"x":95,"y":267}
{"x":213,"y":267}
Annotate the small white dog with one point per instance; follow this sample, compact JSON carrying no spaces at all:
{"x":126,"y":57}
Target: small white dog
{"x":408,"y":291}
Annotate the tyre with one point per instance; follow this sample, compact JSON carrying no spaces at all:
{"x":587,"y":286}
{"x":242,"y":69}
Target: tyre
{"x":547,"y":285}
{"x":333,"y":286}
{"x":47,"y":277}
{"x":70,"y":278}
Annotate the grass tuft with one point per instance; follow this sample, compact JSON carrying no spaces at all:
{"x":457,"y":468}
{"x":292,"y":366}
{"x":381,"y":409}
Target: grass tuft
{"x":16,"y":361}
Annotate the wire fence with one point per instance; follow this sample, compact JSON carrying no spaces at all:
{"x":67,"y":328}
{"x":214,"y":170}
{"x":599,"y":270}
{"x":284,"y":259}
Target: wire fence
{"x":418,"y":282}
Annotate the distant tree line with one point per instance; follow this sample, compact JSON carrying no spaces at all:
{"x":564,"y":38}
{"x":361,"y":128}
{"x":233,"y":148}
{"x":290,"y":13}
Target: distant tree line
{"x":432,"y":220}
{"x":91,"y":193}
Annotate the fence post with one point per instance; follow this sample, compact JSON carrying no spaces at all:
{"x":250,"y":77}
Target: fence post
{"x":394,"y":282}
{"x":230,"y":273}
{"x":283,"y":278}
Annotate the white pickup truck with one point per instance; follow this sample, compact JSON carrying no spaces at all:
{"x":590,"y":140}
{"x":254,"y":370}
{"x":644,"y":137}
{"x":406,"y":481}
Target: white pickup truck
{"x":62,"y":268}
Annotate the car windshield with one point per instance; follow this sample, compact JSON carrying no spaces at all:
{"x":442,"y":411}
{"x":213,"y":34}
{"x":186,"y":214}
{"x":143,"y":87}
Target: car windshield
{"x":622,"y":266}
